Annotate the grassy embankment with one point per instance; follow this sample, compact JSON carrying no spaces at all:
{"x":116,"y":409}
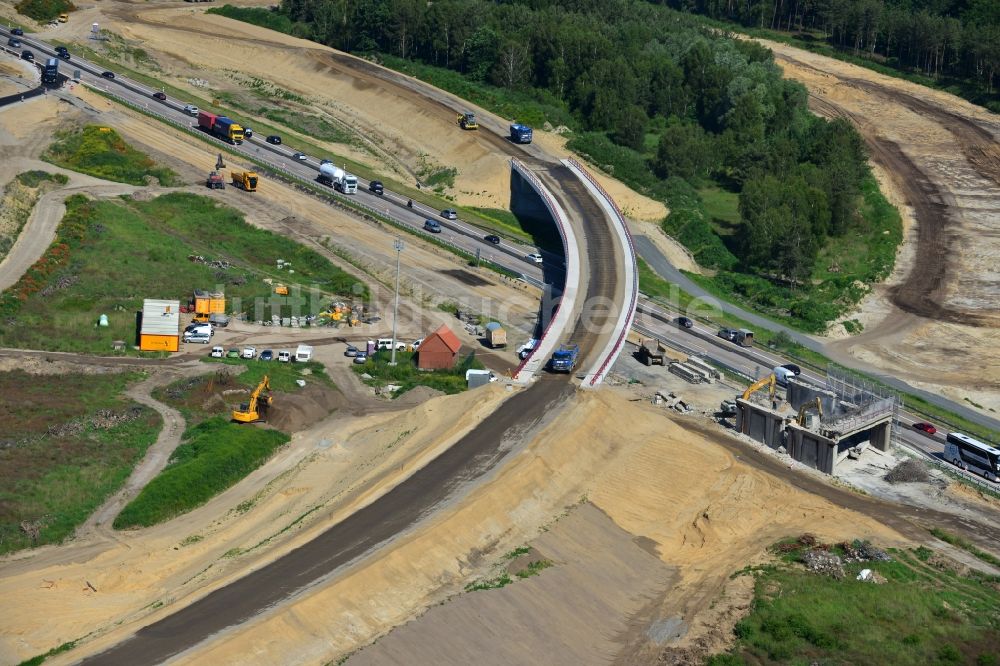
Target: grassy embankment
{"x":110,"y":255}
{"x":101,"y":152}
{"x":18,"y":200}
{"x":70,"y":441}
{"x":928,"y":611}
{"x":406,"y":375}
{"x":44,"y":10}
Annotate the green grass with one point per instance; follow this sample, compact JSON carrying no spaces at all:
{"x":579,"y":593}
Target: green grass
{"x":214,"y":456}
{"x":723,"y":208}
{"x":281,"y":376}
{"x":534,"y":568}
{"x":44,"y":10}
{"x":542,"y":233}
{"x":921,"y":615}
{"x":59,"y":461}
{"x":496,"y":583}
{"x":958,"y":541}
{"x":101,"y":152}
{"x":406,"y":375}
{"x":35,"y":178}
{"x":109,"y":255}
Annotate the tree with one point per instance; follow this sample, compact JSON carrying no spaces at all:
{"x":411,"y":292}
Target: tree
{"x":513,"y":65}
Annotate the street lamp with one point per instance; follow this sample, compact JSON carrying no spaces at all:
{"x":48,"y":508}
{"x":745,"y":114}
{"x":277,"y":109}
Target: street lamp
{"x":398,"y":244}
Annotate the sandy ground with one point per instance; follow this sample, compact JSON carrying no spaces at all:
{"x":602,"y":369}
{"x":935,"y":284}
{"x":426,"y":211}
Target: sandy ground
{"x":16,"y":75}
{"x":629,"y":518}
{"x":937,"y":160}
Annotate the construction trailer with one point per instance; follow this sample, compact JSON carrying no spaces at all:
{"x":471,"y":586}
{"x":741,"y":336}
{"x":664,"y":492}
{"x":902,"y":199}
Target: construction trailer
{"x":208,"y":303}
{"x":160,"y":325}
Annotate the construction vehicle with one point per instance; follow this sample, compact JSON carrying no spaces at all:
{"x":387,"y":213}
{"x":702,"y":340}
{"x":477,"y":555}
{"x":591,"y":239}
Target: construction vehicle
{"x":744,"y":338}
{"x":564,"y":360}
{"x":770,"y":381}
{"x":651,"y":352}
{"x":256,"y":409}
{"x":467,"y":121}
{"x":728,"y":407}
{"x":338,"y":179}
{"x":215,"y":181}
{"x":807,"y":406}
{"x":221,"y":126}
{"x":496,"y":335}
{"x":520,"y":133}
{"x":50,"y":74}
{"x":245,"y":180}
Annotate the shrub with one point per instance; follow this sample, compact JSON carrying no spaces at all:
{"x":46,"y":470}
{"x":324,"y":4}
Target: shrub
{"x":44,"y":10}
{"x":101,"y":152}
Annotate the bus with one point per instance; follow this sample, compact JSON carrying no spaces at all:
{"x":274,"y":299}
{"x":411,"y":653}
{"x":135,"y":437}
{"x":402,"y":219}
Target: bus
{"x":967,"y":453}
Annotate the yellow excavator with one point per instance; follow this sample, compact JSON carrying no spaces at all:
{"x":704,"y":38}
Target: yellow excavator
{"x":817,"y":405}
{"x":256,"y":409}
{"x":770,"y":381}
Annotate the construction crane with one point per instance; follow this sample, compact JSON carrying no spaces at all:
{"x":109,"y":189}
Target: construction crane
{"x":770,"y":381}
{"x":817,"y":405}
{"x":256,"y":409}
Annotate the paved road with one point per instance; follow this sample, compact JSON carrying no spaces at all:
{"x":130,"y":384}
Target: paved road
{"x":652,"y":256}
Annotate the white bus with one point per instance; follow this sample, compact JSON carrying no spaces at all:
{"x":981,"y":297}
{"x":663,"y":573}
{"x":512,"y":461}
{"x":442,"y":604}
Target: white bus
{"x":968,"y":453}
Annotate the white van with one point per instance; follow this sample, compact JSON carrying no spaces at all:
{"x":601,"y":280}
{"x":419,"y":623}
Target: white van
{"x":284,"y":356}
{"x":218,"y":352}
{"x":303,"y":353}
{"x":781,"y":375}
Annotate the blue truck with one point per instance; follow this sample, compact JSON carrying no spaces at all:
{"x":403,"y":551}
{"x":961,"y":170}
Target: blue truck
{"x":50,"y":73}
{"x":564,"y":360}
{"x":520,"y":133}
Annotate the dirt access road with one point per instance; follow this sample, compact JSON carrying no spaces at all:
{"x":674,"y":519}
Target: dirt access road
{"x":938,"y":159}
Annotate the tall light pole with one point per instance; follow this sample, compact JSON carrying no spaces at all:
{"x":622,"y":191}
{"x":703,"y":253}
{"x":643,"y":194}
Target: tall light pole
{"x":398,"y":244}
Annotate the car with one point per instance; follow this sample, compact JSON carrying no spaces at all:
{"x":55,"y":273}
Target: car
{"x":273,"y":139}
{"x":266,"y":355}
{"x":17,"y":31}
{"x":376,"y":187}
{"x":160,"y":96}
{"x":362,"y":357}
{"x":64,"y":18}
{"x":534,"y":258}
{"x":449,"y":214}
{"x":325,"y":161}
{"x":27,"y":55}
{"x":284,"y":356}
{"x":727,"y":334}
{"x":13,"y":42}
{"x":684,"y":322}
{"x":217,"y":352}
{"x":432,"y":226}
{"x":925,"y":427}
{"x":247,"y":132}
{"x":191,"y":109}
{"x":791,"y":367}
{"x":416,"y":343}
{"x":351,"y":351}
{"x":492,"y":239}
{"x":62,"y":49}
{"x":64,"y":55}
{"x":299,"y":156}
{"x":249,"y":352}
{"x":233,"y":353}
{"x":108,"y":75}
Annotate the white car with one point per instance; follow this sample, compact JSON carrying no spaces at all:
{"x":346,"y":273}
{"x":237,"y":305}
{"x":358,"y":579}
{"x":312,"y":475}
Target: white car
{"x":191,"y":109}
{"x":285,"y":356}
{"x":217,"y":352}
{"x":249,"y":352}
{"x":534,"y":258}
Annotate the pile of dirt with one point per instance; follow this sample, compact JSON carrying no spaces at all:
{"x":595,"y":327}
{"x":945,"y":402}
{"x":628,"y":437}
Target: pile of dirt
{"x":908,"y":471}
{"x":292,"y":412}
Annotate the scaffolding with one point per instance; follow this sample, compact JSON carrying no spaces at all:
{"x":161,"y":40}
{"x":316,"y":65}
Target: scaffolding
{"x":860,"y":401}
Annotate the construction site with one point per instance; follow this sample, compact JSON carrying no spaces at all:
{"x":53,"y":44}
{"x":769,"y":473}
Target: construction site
{"x":442,"y":450}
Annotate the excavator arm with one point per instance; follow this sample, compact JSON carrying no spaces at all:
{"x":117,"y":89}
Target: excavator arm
{"x":248,"y":413}
{"x":770,"y":381}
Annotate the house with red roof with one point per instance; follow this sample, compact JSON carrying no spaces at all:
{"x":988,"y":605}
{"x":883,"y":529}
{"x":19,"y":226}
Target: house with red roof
{"x":438,"y":350}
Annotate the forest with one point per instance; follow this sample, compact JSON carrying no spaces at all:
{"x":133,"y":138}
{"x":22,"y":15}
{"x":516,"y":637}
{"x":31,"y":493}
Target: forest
{"x":949,"y":40}
{"x":669,"y":105}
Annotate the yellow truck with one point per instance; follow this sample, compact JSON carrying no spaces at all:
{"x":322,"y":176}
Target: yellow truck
{"x":245,"y":180}
{"x":64,"y":18}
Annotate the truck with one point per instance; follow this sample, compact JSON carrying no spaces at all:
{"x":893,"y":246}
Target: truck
{"x":520,"y":133}
{"x":215,"y":181}
{"x":524,"y":351}
{"x":495,"y":335}
{"x":220,"y":126}
{"x":245,"y":180}
{"x":744,"y":338}
{"x":50,"y":74}
{"x":651,"y":353}
{"x":303,"y":353}
{"x":340,"y":180}
{"x":564,"y":359}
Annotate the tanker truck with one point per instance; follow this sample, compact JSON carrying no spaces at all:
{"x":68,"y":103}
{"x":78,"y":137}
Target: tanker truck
{"x":339,"y":179}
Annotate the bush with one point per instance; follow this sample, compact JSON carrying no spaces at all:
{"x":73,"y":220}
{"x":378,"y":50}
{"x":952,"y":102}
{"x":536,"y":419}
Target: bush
{"x":35,"y":178}
{"x":101,"y":152}
{"x":215,"y":455}
{"x":44,"y":10}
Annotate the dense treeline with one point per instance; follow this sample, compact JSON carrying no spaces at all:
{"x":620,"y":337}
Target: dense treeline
{"x":953,"y":38}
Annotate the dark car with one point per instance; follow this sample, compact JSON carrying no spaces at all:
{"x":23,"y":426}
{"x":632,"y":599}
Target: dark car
{"x":17,"y":31}
{"x":925,"y":427}
{"x":727,"y":334}
{"x":64,"y":55}
{"x":27,"y":55}
{"x":275,"y":139}
{"x":492,"y":239}
{"x":376,"y":187}
{"x":160,"y":96}
{"x":13,"y":42}
{"x":794,"y":369}
{"x":684,"y":322}
{"x":108,"y":75}
{"x":432,"y":226}
{"x":266,"y":355}
{"x":62,"y":49}
{"x":247,"y":132}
